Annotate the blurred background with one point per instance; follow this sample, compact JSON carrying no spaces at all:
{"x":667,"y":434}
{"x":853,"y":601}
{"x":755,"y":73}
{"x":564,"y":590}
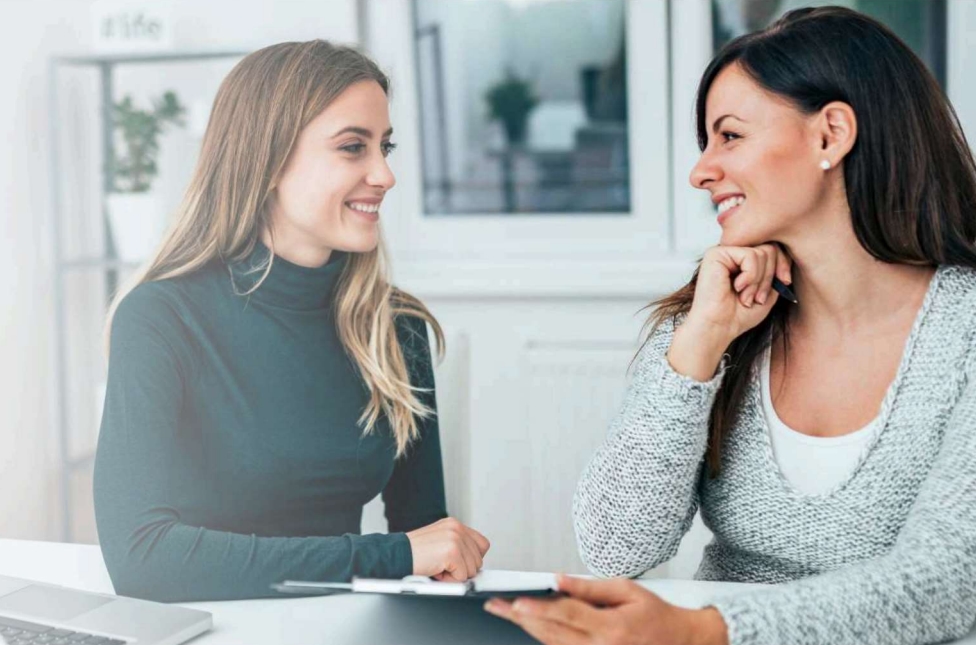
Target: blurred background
{"x":542,"y":201}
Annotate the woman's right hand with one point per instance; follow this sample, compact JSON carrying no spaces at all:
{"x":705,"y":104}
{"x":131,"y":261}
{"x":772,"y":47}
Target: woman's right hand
{"x":733,"y":294}
{"x":447,"y":550}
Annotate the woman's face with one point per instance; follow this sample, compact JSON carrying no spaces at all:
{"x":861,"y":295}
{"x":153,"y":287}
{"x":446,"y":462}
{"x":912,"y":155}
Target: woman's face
{"x":329,"y":194}
{"x":761,"y":164}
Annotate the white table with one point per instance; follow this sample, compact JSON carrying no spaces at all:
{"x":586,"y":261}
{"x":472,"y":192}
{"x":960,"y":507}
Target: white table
{"x":271,"y":621}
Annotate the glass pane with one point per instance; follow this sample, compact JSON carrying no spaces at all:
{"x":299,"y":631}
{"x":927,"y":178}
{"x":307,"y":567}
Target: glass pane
{"x":920,"y":23}
{"x":523,"y":106}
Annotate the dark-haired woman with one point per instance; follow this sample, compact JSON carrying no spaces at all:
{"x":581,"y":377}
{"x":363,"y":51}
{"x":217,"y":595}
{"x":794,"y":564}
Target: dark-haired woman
{"x":830,"y":444}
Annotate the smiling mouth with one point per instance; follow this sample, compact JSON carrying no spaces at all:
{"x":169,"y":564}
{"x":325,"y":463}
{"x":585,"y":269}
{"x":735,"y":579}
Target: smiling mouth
{"x":363,"y":208}
{"x":726,"y":206}
{"x":730,"y":203}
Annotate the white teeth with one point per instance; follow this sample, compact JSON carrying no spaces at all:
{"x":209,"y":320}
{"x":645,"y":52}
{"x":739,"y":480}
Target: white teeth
{"x":726,"y":204}
{"x":365,"y":208}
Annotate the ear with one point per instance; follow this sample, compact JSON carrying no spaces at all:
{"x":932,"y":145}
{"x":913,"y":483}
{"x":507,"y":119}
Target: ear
{"x":837,"y":130}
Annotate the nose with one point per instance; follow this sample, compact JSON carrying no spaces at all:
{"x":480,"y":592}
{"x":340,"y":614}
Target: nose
{"x":706,"y":171}
{"x":380,"y":174}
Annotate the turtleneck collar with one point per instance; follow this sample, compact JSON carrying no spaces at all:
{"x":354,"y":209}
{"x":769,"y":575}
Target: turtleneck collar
{"x":288,"y":285}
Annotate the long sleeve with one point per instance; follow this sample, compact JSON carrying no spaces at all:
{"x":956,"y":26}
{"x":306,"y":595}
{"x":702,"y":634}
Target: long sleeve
{"x":922,"y":591}
{"x":414,"y":496}
{"x":150,"y":551}
{"x":638,"y":495}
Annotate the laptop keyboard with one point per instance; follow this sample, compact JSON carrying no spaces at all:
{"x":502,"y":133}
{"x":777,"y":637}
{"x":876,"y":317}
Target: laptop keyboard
{"x":16,"y":632}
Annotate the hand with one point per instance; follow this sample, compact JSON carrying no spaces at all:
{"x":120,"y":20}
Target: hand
{"x":733,"y":294}
{"x":447,"y":550}
{"x":734,"y":291}
{"x":610,"y":612}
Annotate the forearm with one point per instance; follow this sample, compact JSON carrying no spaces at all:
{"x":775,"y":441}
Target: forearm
{"x":696,"y":350}
{"x":880,"y":602}
{"x":638,"y":495}
{"x":170,"y":561}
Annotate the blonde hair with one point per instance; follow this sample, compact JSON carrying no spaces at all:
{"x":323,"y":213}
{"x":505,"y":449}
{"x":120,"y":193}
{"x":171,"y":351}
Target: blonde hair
{"x":258,"y":113}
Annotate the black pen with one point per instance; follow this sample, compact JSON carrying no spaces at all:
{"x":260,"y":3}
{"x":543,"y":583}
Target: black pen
{"x":783,"y":290}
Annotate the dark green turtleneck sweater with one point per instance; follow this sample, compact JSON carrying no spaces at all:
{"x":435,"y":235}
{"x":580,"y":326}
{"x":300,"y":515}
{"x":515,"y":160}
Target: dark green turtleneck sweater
{"x":230,"y":455}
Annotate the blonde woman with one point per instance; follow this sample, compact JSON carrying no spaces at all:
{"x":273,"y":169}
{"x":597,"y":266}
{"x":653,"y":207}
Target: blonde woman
{"x":265,"y":379}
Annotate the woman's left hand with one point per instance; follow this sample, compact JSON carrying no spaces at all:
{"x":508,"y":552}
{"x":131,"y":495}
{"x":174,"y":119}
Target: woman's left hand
{"x":610,"y":612}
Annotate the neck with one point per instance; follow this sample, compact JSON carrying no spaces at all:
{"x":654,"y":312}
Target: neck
{"x":296,"y":251}
{"x":841,"y":288}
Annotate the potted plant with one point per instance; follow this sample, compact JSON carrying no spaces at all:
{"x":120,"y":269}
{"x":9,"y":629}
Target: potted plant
{"x":511,"y":100}
{"x":135,"y":214}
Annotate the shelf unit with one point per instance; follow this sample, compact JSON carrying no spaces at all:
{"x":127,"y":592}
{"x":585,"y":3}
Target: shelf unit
{"x":108,"y":264}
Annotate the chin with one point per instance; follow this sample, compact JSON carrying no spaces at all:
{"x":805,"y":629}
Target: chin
{"x":362,"y":245}
{"x":742,"y":238}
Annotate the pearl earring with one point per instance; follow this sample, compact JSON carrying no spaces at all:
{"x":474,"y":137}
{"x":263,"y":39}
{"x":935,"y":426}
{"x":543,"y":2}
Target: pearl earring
{"x":825,"y":164}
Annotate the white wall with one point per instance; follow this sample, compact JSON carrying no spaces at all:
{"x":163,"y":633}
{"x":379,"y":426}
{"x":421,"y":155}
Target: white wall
{"x":30,"y":32}
{"x":27,"y":447}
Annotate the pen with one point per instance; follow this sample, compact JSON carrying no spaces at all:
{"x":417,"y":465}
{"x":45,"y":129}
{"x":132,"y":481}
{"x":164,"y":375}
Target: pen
{"x":784,"y":291}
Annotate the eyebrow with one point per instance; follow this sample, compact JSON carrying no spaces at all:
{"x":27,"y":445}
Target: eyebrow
{"x":718,"y":121}
{"x":363,"y":132}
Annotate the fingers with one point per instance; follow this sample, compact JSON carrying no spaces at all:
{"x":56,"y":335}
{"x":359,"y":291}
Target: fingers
{"x":473,"y":545}
{"x":606,"y":593}
{"x":458,"y":565}
{"x":480,"y":540}
{"x":475,"y":551}
{"x":784,"y":268}
{"x":471,"y":555}
{"x":755,"y":270}
{"x":535,"y":619}
{"x":784,"y":265}
{"x":751,"y":270}
{"x":551,"y":633}
{"x":766,"y":284}
{"x":570,"y":612}
{"x":465,"y":550}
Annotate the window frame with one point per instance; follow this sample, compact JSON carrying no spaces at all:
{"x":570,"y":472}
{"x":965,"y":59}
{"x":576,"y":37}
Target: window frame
{"x":417,"y":238}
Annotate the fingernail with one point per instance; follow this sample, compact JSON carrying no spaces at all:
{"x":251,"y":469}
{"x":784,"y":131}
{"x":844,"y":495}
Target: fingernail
{"x":520,"y":606}
{"x":761,"y":298}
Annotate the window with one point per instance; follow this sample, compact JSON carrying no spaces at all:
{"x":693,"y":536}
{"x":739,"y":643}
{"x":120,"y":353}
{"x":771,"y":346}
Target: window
{"x":920,"y":23}
{"x":523,"y":106}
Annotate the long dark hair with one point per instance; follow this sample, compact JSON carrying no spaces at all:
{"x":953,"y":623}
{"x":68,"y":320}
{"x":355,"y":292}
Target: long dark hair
{"x":910,"y":177}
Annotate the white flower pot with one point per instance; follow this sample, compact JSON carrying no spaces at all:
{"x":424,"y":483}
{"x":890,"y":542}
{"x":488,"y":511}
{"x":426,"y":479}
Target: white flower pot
{"x":138,"y":223}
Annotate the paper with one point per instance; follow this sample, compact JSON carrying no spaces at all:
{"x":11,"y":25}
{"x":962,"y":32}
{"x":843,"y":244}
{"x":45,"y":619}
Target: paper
{"x":490,"y":582}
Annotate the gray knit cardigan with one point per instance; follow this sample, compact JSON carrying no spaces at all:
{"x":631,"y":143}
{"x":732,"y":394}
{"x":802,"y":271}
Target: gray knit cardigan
{"x":886,"y":556}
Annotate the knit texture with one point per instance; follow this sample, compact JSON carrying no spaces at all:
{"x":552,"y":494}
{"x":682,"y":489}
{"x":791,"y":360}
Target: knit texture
{"x":888,"y":556}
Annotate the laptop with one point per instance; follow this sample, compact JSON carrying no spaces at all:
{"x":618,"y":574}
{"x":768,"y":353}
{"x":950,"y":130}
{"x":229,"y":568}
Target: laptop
{"x":31,"y":612}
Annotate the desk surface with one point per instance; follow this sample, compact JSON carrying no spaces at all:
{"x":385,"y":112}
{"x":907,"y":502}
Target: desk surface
{"x":271,"y":621}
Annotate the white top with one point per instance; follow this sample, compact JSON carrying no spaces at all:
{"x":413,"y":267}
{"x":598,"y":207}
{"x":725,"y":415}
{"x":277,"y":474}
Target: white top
{"x":812,"y":465}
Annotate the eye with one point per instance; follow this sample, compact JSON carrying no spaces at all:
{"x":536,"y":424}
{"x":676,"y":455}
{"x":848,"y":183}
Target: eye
{"x":354,"y":148}
{"x":387,"y":147}
{"x":728,"y":135}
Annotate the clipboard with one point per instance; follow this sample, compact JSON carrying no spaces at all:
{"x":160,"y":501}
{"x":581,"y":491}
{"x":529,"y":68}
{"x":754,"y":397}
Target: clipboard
{"x":487,"y":584}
